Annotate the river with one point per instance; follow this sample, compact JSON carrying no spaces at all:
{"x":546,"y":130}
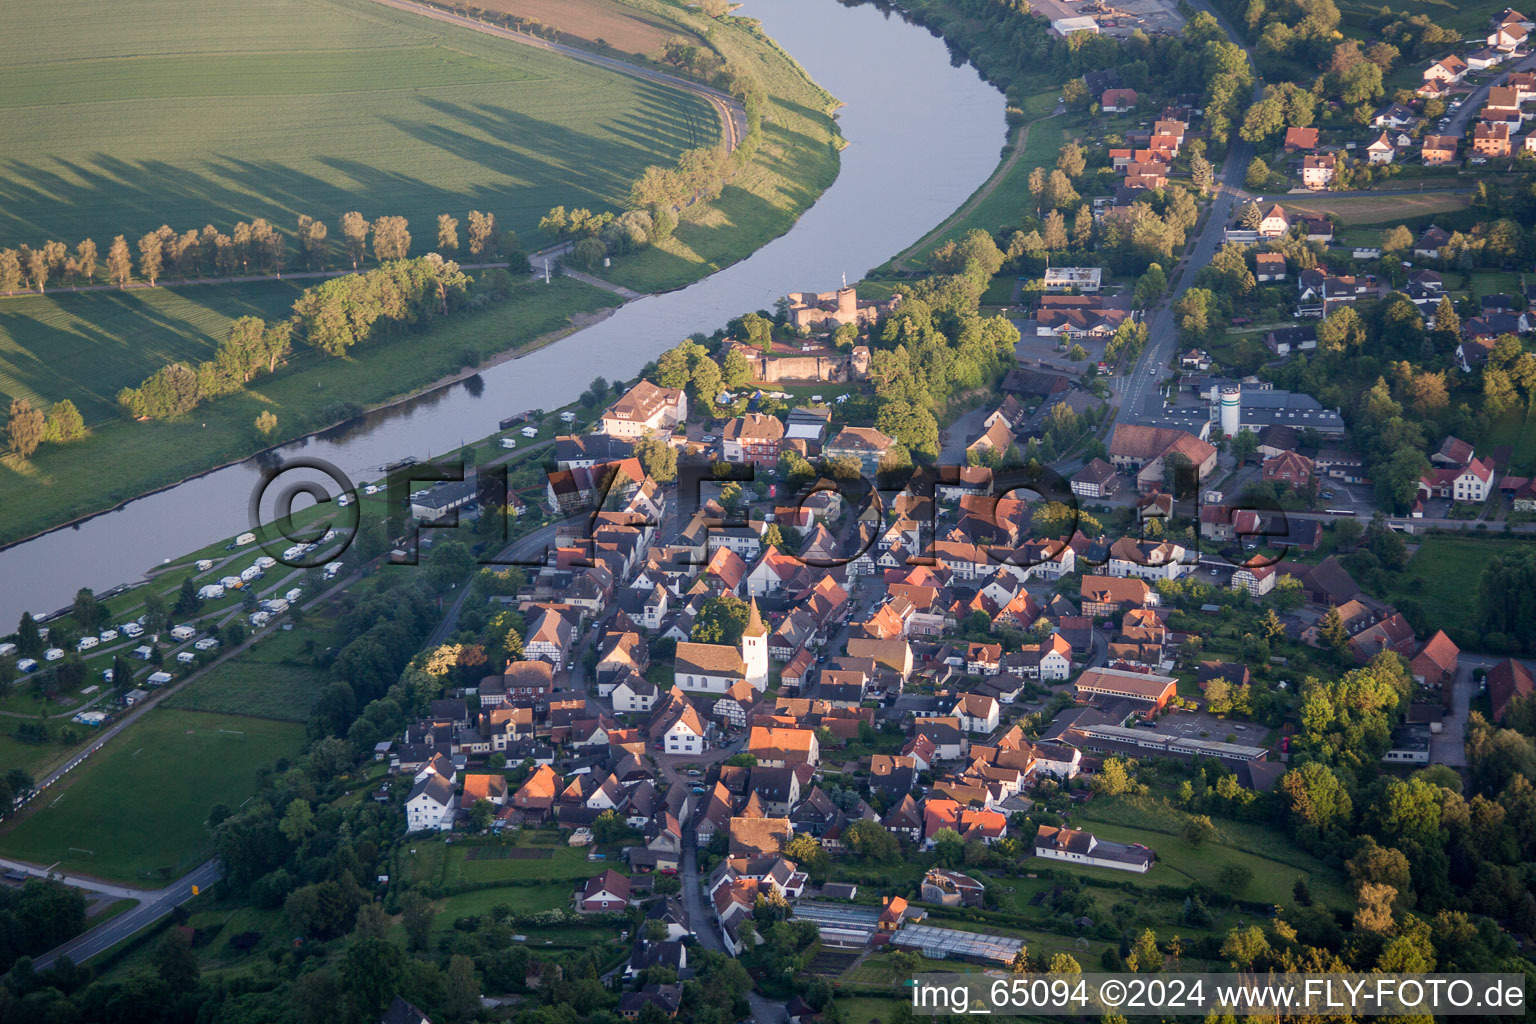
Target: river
{"x":922,"y":135}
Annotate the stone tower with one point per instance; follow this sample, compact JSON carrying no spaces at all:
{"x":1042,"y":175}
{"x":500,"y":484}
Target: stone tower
{"x":754,"y":650}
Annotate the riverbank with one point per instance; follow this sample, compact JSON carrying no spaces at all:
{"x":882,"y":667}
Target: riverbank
{"x":121,"y":460}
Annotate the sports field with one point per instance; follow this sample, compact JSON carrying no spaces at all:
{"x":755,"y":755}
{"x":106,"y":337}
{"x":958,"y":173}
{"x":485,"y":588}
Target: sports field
{"x":138,"y":806}
{"x":118,"y":118}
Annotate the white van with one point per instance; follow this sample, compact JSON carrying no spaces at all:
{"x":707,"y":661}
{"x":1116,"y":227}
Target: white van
{"x":186,"y":657}
{"x":132,"y":630}
{"x":181,"y":633}
{"x":27,"y":665}
{"x":244,"y":539}
{"x":204,"y":564}
{"x":260,"y":618}
{"x":509,"y":443}
{"x":250,"y":573}
{"x":207,"y":643}
{"x":53,"y":654}
{"x":6,"y":649}
{"x":107,"y":636}
{"x":530,"y":431}
{"x":211,"y":592}
{"x":265,"y":562}
{"x":294,"y":594}
{"x":86,"y":643}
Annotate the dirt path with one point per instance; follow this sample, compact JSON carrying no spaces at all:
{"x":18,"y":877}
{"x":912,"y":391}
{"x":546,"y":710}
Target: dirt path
{"x":986,"y":190}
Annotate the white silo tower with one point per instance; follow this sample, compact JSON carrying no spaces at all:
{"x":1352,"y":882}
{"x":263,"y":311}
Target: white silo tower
{"x":1231,"y":409}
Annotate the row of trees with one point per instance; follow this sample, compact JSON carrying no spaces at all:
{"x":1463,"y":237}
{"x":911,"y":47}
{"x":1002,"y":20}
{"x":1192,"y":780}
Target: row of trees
{"x":331,"y":317}
{"x":256,"y":246}
{"x":26,"y":427}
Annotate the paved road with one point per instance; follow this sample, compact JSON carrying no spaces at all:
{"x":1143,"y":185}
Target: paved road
{"x":153,"y":905}
{"x":1472,"y":105}
{"x":764,"y":1011}
{"x":1139,"y":397}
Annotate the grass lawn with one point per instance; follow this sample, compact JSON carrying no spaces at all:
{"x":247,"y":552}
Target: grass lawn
{"x":1378,"y":209}
{"x":1273,"y":859}
{"x":122,"y":459}
{"x":869,"y":1009}
{"x":210,"y":112}
{"x":1516,"y":429}
{"x":529,"y":854}
{"x":1468,"y":19}
{"x":1450,"y":568}
{"x":134,"y":812}
{"x":97,"y":343}
{"x":795,"y":163}
{"x":273,"y":679}
{"x":523,"y":899}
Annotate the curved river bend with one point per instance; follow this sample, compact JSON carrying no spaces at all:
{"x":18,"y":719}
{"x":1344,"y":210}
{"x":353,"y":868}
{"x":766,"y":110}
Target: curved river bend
{"x":922,"y":135}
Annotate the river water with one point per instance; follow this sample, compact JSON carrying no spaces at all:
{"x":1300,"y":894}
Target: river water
{"x":922,"y":136}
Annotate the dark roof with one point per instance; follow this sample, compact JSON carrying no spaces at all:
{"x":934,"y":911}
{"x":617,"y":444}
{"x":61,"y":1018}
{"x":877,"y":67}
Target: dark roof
{"x":402,"y":1012}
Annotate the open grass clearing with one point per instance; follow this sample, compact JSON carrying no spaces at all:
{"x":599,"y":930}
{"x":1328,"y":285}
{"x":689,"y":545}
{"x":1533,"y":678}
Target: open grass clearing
{"x":121,"y":459}
{"x":1469,"y":19}
{"x":1265,"y":850}
{"x":134,"y":812}
{"x":1443,"y":575}
{"x":192,"y":113}
{"x":87,"y":346}
{"x":275,"y":678}
{"x":1377,"y":209}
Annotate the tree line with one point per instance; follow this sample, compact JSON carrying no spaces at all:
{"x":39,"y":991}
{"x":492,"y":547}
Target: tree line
{"x":27,"y":427}
{"x":332,"y":317}
{"x":251,"y":247}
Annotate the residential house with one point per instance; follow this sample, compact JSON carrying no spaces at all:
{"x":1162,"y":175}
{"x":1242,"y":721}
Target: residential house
{"x":865,"y":444}
{"x":1438,"y":150}
{"x":1448,"y":71}
{"x":1109,"y":595}
{"x":645,"y":409}
{"x":780,"y":747}
{"x":1381,"y":151}
{"x":977,"y":713}
{"x":1079,"y":847}
{"x":430,"y":805}
{"x":1317,"y":171}
{"x":1435,"y":664}
{"x":753,"y":438}
{"x":1288,"y":468}
{"x":1300,"y":140}
{"x":1269,"y":266}
{"x":1491,"y":139}
{"x":1118,"y":101}
{"x":1097,"y":479}
{"x":1509,"y":680}
{"x":607,"y":893}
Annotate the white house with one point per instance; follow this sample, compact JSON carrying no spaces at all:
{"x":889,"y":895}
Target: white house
{"x":685,"y":735}
{"x":645,"y":409}
{"x":429,"y":808}
{"x":1078,"y":847}
{"x":1059,"y":760}
{"x":977,"y":712}
{"x":634,"y":694}
{"x":1258,"y":580}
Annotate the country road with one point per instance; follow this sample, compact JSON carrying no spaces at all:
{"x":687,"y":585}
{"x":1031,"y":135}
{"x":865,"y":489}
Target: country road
{"x":153,"y":905}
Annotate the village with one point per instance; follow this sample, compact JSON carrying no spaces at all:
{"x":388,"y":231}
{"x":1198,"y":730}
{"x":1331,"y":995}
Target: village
{"x":725,"y":680}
